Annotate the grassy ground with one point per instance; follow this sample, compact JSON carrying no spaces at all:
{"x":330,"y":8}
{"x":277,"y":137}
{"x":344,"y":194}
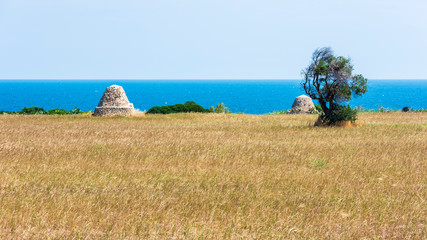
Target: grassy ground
{"x":213,"y":176}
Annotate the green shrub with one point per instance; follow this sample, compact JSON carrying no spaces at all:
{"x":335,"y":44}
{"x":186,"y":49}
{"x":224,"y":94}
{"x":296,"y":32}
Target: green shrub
{"x":318,"y":108}
{"x":75,"y":111}
{"x":39,"y":110}
{"x":220,"y":108}
{"x":32,"y":111}
{"x":339,"y":114}
{"x":189,"y":106}
{"x":405,"y":109}
{"x":57,"y":111}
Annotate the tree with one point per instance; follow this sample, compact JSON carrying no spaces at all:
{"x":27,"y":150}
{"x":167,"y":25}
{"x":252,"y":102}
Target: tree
{"x":329,"y":79}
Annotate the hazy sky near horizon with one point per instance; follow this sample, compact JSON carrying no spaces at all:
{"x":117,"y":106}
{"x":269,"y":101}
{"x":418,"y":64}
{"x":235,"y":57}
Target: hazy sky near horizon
{"x":208,"y":39}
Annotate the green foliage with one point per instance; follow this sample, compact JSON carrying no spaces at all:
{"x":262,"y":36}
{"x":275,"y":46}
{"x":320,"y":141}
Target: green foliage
{"x":322,"y":67}
{"x":359,"y":85}
{"x":405,"y":109}
{"x":189,"y":106}
{"x":339,"y":114}
{"x":330,"y":80}
{"x":220,"y":108}
{"x":77,"y":111}
{"x":57,"y":111}
{"x":32,"y":111}
{"x":318,"y":108}
{"x":39,"y":111}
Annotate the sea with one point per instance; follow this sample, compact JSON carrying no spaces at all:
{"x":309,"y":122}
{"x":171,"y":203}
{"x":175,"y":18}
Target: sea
{"x":240,"y":96}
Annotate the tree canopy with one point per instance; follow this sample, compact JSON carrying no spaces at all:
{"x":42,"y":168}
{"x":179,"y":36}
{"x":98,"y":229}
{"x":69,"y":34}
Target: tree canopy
{"x":330,"y":80}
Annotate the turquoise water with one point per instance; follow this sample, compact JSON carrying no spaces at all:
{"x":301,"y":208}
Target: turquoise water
{"x":248,"y":96}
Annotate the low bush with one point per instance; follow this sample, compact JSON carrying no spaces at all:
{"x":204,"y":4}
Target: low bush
{"x":32,"y":111}
{"x":57,"y":111}
{"x":318,"y":108}
{"x":39,"y":110}
{"x":406,"y":109}
{"x":339,"y":114}
{"x":78,"y":111}
{"x":189,"y":106}
{"x":220,"y":108}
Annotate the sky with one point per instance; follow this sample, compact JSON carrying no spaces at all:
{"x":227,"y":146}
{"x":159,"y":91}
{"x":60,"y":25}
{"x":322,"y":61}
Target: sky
{"x":208,"y":39}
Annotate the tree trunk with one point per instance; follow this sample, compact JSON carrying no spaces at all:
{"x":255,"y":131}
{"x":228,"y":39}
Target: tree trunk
{"x":323,"y":105}
{"x":331,"y":105}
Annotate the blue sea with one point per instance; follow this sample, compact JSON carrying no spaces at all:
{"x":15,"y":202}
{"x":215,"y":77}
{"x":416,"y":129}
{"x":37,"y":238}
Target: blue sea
{"x":247,"y":96}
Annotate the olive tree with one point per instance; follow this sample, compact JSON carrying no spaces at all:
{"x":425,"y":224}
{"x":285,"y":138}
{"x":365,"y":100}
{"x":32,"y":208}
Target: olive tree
{"x":330,"y":80}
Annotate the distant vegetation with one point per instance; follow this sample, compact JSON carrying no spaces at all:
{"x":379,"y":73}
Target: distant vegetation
{"x":380,"y":109}
{"x":189,"y":106}
{"x":42,"y":111}
{"x":220,"y":108}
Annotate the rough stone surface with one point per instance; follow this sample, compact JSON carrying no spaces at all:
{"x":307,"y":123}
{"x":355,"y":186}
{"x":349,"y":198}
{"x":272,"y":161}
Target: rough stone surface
{"x":114,"y":102}
{"x":302,"y":104}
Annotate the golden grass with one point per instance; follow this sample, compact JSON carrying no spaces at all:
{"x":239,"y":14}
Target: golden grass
{"x":213,"y":176}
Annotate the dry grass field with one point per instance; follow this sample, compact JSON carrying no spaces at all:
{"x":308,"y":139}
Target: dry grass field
{"x":213,"y":176}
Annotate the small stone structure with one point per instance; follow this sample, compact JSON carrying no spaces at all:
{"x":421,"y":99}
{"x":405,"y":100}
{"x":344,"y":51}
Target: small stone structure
{"x":114,"y":102}
{"x":302,"y":104}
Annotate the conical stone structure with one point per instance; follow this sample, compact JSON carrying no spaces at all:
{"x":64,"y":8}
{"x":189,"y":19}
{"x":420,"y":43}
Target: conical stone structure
{"x":302,"y":104}
{"x":114,"y":102}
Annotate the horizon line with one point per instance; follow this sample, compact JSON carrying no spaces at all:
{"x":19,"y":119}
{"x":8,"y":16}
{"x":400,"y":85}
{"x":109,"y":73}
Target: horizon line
{"x":181,"y":79}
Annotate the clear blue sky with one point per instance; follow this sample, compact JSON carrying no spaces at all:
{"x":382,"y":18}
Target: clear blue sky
{"x":208,"y":39}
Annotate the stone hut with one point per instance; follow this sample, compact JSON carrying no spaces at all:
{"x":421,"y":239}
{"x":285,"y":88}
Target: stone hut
{"x":302,"y":104}
{"x":114,"y":102}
